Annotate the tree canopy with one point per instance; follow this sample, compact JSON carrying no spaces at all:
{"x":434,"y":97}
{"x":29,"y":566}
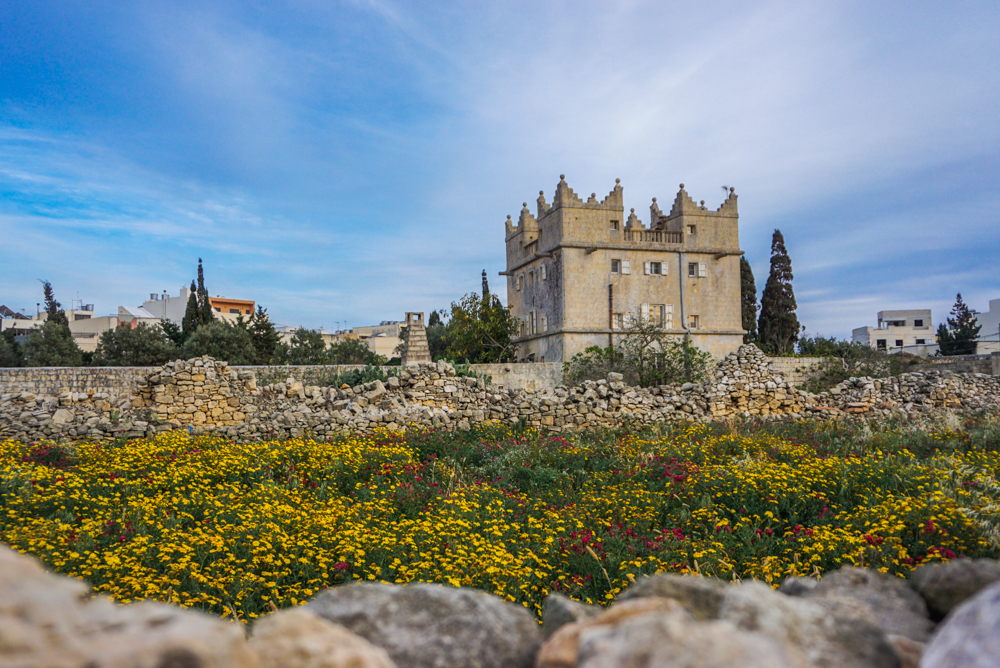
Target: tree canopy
{"x":144,"y":345}
{"x":221,"y":340}
{"x":481,"y":330}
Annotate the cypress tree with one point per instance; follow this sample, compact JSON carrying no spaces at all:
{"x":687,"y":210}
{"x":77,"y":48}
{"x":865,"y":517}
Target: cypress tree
{"x":778,"y":328}
{"x":748,"y":297}
{"x":192,"y":316}
{"x":204,"y":306}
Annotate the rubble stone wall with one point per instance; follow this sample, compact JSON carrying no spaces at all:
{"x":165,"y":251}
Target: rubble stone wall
{"x":119,"y":381}
{"x":206,"y":395}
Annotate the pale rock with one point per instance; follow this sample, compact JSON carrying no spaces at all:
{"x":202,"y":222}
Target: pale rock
{"x":433,"y":626}
{"x":48,"y":620}
{"x":561,"y":610}
{"x":945,"y":585}
{"x":297,"y":638}
{"x":969,"y":637}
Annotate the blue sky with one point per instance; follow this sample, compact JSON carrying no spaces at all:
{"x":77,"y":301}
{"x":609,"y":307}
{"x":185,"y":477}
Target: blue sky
{"x":344,"y":162}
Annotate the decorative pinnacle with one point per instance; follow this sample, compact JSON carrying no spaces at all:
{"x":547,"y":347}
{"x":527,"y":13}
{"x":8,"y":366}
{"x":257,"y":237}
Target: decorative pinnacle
{"x":541,"y":192}
{"x":732,"y":190}
{"x":524,"y":204}
{"x":562,"y":177}
{"x":654,"y":200}
{"x":508,"y":216}
{"x":703,"y":202}
{"x":682,"y":186}
{"x":618,"y":180}
{"x":633,"y":210}
{"x":594,"y":195}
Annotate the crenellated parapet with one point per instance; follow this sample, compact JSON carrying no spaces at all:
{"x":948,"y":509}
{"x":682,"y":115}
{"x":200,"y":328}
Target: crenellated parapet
{"x":683,"y":204}
{"x":543,"y":207}
{"x":633,"y":222}
{"x":565,"y":197}
{"x":528,"y":225}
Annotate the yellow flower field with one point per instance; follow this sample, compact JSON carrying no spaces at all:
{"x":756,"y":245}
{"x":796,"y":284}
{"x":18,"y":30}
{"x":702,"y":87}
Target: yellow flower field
{"x":239,"y":530}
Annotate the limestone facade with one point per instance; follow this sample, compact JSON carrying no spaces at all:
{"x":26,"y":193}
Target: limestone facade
{"x":579,"y":271}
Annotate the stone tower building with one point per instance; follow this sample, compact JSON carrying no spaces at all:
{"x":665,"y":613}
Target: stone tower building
{"x":578,"y":271}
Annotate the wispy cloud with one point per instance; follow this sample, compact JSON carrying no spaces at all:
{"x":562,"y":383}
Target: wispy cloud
{"x":346,"y":162}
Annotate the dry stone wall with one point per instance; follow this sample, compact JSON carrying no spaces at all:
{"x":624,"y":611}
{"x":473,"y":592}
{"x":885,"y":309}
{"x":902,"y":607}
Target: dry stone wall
{"x":207,"y":395}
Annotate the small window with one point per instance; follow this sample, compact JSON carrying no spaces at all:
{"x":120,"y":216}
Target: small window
{"x":618,"y":321}
{"x":616,"y":266}
{"x":692,"y":321}
{"x":880,"y":344}
{"x":545,"y":323}
{"x":542,"y":273}
{"x":668,"y":322}
{"x":693,"y":269}
{"x":520,"y":281}
{"x":899,"y":343}
{"x":614,"y":224}
{"x":219,"y":309}
{"x":918,"y":322}
{"x":534,"y":322}
{"x":656,"y":268}
{"x":234,"y":310}
{"x":531,"y":278}
{"x":692,"y":229}
{"x":921,"y":342}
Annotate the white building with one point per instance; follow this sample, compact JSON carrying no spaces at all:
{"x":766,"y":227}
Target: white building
{"x":167,"y":308}
{"x":910,"y":331}
{"x":989,"y":332}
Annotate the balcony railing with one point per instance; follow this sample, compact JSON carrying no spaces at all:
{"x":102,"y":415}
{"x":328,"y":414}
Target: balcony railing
{"x":655,"y":236}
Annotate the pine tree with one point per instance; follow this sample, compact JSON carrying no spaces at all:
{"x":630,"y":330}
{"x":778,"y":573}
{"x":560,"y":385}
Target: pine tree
{"x":53,"y":344}
{"x":748,"y":297}
{"x":778,"y":328}
{"x":265,"y":339}
{"x":204,"y":305}
{"x":52,"y":307}
{"x":960,"y":337}
{"x":486,"y":287}
{"x":192,"y":315}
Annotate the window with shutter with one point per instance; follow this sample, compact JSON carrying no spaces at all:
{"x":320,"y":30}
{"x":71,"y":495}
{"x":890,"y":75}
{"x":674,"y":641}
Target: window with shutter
{"x":669,"y":311}
{"x":626,"y":267}
{"x":543,"y":272}
{"x":645,"y":267}
{"x":616,"y":266}
{"x":702,"y":269}
{"x":520,"y":281}
{"x":693,"y":269}
{"x":644,"y":313}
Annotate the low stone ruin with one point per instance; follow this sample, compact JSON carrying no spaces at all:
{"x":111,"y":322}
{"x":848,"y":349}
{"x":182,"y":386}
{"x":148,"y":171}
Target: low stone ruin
{"x":206,"y":395}
{"x":851,"y":618}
